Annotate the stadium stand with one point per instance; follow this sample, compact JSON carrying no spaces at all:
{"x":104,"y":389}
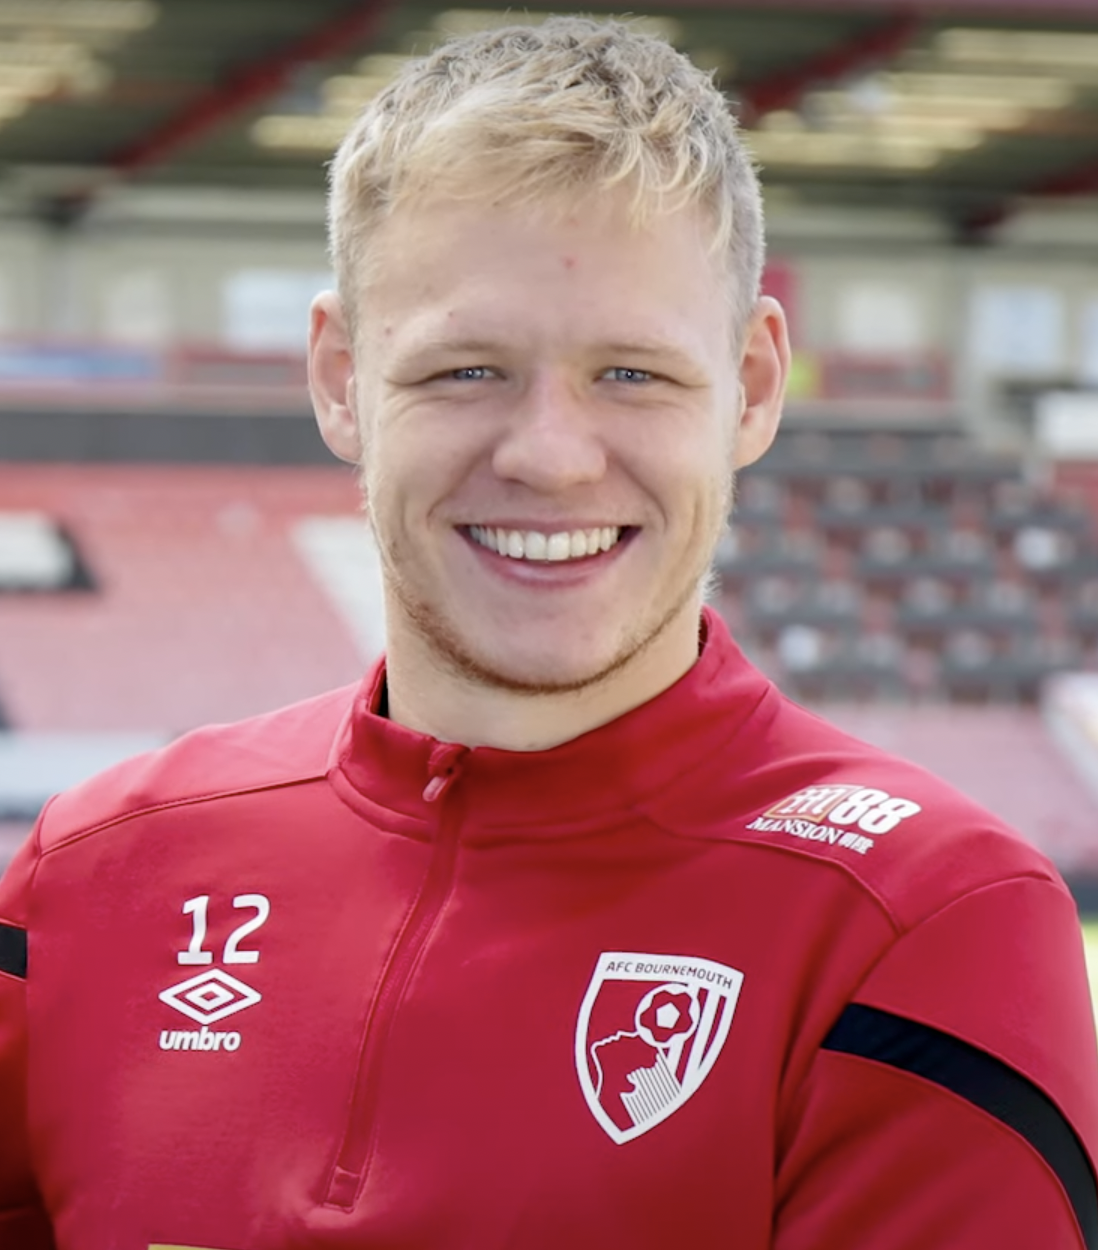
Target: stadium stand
{"x":915,"y":555}
{"x":37,"y":554}
{"x":1004,"y":758}
{"x":11,"y":834}
{"x":911,"y":566}
{"x":202,"y":608}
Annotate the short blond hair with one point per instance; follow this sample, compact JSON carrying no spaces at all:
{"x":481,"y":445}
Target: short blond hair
{"x":546,"y":114}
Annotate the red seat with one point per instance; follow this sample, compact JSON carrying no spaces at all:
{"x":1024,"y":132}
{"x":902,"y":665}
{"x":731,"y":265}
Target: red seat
{"x":204,"y":611}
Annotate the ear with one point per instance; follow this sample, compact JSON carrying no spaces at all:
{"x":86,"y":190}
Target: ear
{"x":764,"y":370}
{"x":332,"y":377}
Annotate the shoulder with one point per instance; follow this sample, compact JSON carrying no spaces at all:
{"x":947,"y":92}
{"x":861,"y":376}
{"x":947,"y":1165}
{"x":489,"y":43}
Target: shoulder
{"x":798,"y":785}
{"x":280,"y":748}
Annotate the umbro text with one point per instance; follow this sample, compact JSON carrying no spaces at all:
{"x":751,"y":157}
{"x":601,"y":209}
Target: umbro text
{"x":202,"y":1039}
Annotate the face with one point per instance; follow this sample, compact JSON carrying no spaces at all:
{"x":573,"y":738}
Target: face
{"x":548,"y":411}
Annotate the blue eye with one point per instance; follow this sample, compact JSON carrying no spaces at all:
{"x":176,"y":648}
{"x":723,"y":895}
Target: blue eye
{"x":630,"y":375}
{"x":472,"y":373}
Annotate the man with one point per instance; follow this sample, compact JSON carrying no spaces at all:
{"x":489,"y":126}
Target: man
{"x":565,"y":928}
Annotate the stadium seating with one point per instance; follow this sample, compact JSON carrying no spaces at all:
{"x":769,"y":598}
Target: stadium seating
{"x":908,"y":565}
{"x":1000,"y":755}
{"x":197,"y":604}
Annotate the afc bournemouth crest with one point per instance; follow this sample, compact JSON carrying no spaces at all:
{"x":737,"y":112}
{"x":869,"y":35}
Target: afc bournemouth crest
{"x":649,"y":1031}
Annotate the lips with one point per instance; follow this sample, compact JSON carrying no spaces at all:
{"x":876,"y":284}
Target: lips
{"x":538,"y":545}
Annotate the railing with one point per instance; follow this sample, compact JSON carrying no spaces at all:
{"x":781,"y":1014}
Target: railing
{"x":195,"y":377}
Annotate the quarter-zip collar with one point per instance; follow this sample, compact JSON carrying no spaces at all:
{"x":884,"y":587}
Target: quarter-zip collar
{"x":384,"y":767}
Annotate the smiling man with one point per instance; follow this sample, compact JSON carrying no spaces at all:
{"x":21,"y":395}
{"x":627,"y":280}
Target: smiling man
{"x":547,"y":428}
{"x":565,"y":927}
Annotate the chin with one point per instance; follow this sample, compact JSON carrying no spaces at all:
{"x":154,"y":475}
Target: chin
{"x":534,"y":674}
{"x":530,"y":662}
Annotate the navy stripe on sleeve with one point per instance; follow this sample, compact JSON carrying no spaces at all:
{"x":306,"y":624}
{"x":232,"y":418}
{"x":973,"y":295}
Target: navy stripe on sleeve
{"x":13,"y":950}
{"x":983,"y":1080}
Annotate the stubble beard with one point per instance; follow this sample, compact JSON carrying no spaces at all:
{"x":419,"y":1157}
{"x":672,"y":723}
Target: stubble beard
{"x":447,"y":646}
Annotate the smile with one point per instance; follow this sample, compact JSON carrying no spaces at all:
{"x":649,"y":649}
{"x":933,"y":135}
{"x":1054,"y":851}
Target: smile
{"x":534,"y":545}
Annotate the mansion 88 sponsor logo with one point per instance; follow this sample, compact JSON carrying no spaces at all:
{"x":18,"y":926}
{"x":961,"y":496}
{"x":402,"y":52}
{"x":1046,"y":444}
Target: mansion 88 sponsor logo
{"x":846,"y":815}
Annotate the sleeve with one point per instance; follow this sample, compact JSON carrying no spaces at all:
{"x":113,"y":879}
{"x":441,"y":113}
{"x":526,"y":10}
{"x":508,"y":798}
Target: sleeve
{"x":954,"y":1103}
{"x":23,"y":1221}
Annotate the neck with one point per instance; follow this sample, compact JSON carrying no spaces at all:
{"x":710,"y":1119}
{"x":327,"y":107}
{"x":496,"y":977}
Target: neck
{"x":426,"y":695}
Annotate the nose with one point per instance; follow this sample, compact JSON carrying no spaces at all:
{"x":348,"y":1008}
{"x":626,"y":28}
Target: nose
{"x":552,"y":440}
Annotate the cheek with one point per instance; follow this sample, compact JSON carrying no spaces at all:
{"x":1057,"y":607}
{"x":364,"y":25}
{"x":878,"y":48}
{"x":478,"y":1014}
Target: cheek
{"x":693,"y":465}
{"x":706,"y":490}
{"x":408,"y":473}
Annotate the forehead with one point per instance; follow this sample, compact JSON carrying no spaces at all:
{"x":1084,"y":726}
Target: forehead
{"x":466,"y":263}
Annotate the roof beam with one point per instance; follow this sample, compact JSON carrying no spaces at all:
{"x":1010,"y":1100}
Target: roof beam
{"x":246,"y":88}
{"x":243,"y":89}
{"x":784,"y":90}
{"x":1079,"y":179}
{"x":939,"y":9}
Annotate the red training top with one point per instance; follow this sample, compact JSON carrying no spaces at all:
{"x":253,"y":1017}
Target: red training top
{"x":712,"y":975}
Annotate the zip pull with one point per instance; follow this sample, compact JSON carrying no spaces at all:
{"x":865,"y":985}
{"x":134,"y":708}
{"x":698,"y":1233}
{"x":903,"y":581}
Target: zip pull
{"x":443,"y":768}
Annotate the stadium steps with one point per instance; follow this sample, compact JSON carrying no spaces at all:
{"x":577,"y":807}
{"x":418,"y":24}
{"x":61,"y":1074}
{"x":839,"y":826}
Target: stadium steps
{"x":204,"y":610}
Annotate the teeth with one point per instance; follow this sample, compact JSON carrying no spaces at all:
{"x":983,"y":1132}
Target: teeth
{"x":534,"y":545}
{"x":559,"y":547}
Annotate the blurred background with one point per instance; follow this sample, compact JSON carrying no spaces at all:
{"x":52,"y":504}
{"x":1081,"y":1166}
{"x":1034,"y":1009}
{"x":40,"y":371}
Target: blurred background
{"x":917,"y":557}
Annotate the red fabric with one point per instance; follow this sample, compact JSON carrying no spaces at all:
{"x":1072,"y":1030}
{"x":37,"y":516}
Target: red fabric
{"x":410,"y":1073}
{"x":26,"y":1229}
{"x":967,"y":1181}
{"x":1016,"y":942}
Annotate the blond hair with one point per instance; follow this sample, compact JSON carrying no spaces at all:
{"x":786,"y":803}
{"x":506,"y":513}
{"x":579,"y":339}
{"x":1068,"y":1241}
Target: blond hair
{"x":546,"y":114}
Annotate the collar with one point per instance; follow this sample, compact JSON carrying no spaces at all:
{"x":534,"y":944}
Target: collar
{"x":378,"y":767}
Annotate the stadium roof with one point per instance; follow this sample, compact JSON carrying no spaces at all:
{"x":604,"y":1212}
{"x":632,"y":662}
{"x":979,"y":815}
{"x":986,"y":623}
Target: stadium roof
{"x":966,"y":109}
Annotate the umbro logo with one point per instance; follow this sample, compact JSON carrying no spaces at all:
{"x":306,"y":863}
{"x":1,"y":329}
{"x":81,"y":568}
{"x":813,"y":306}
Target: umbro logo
{"x":207,"y":997}
{"x":214,"y":995}
{"x":210,"y":996}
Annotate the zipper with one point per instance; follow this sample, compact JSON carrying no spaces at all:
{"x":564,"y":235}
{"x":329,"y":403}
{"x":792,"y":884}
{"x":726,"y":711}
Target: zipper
{"x":357,"y":1147}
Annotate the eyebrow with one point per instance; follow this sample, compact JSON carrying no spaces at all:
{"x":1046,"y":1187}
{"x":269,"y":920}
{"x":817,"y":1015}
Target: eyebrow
{"x":660,"y":356}
{"x":649,"y":347}
{"x":635,"y":347}
{"x":456,"y":345}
